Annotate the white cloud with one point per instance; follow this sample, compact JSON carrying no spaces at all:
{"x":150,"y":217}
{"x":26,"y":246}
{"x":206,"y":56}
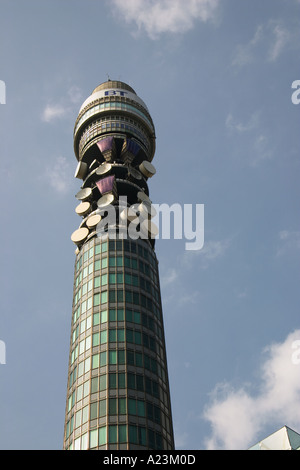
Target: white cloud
{"x":59,"y":175}
{"x":169,"y":277}
{"x":233,"y":125}
{"x":64,"y":107}
{"x":289,"y":242}
{"x":165,"y":16}
{"x":268,"y":42}
{"x":237,"y":416}
{"x":281,"y":38}
{"x":257,"y":140}
{"x":52,"y":112}
{"x":244,"y":54}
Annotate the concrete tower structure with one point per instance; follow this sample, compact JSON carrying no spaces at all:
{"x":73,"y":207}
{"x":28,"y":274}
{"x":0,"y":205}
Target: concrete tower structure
{"x":118,"y":393}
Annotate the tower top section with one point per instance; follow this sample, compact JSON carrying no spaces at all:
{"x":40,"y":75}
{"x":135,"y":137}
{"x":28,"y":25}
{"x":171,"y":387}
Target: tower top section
{"x":114,"y":84}
{"x":114,"y":109}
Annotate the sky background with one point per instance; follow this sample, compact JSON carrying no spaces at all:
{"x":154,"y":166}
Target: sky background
{"x":216,"y":77}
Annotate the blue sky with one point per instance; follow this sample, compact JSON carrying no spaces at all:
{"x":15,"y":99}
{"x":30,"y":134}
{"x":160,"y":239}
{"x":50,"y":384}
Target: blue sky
{"x":216,"y":76}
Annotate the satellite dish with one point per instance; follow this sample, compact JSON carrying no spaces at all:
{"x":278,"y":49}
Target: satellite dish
{"x":79,"y":235}
{"x":104,"y":168}
{"x":143,"y":197}
{"x":146,"y":209}
{"x":84,"y":194}
{"x":105,"y":200}
{"x":134,"y":173}
{"x":149,"y":229}
{"x":147,"y":169}
{"x":81,"y":170}
{"x":93,"y":221}
{"x":83,"y":208}
{"x":130,"y":214}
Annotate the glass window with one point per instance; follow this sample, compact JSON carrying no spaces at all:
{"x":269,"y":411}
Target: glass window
{"x":104,"y":316}
{"x":96,"y":319}
{"x":102,"y":435}
{"x":112,"y":335}
{"x":104,"y":263}
{"x":131,"y":406}
{"x":122,"y":406}
{"x":121,"y":380}
{"x":103,"y":358}
{"x":133,"y":435}
{"x":102,"y":408}
{"x":112,"y":357}
{"x":103,"y":297}
{"x":102,"y":382}
{"x":95,"y":361}
{"x":140,"y":408}
{"x":103,"y":336}
{"x":122,"y":433}
{"x":112,"y":380}
{"x":112,"y":434}
{"x":142,"y":436}
{"x":93,"y":438}
{"x":112,"y":406}
{"x":96,"y":339}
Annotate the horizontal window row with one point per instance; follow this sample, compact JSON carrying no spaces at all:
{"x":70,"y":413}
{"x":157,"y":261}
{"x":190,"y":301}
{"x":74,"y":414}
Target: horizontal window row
{"x":116,"y":315}
{"x":113,"y":335}
{"x":116,"y":434}
{"x":113,"y":381}
{"x":114,"y":357}
{"x":134,"y":247}
{"x":111,"y":105}
{"x":115,"y":296}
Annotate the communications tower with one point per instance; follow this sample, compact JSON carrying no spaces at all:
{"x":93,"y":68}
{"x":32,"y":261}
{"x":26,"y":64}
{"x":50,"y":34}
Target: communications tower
{"x":118,"y":393}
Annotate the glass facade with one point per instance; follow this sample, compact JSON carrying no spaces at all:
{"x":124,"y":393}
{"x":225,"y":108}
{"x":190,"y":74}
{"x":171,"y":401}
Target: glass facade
{"x":118,"y":393}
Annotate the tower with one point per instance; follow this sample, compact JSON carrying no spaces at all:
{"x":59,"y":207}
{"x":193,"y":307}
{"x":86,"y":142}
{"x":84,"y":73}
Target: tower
{"x":118,"y":393}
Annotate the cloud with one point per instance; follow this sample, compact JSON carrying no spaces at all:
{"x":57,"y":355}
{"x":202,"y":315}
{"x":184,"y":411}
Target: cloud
{"x":59,"y":175}
{"x":289,"y":242}
{"x":240,"y":127}
{"x":244,"y":54}
{"x":237,"y":417}
{"x":281,"y":38}
{"x":252,"y":129}
{"x":52,"y":112}
{"x":268,"y":43}
{"x":165,"y":16}
{"x":65,"y":106}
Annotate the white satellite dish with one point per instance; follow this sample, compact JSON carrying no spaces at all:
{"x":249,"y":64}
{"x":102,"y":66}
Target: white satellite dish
{"x":84,"y":194}
{"x":146,"y":210}
{"x":149,"y":229}
{"x":93,"y":221}
{"x":143,"y":197}
{"x":147,"y":169}
{"x":105,"y":200}
{"x":81,"y":170}
{"x":79,"y":235}
{"x":104,"y":168}
{"x":134,"y":173}
{"x":83,"y":208}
